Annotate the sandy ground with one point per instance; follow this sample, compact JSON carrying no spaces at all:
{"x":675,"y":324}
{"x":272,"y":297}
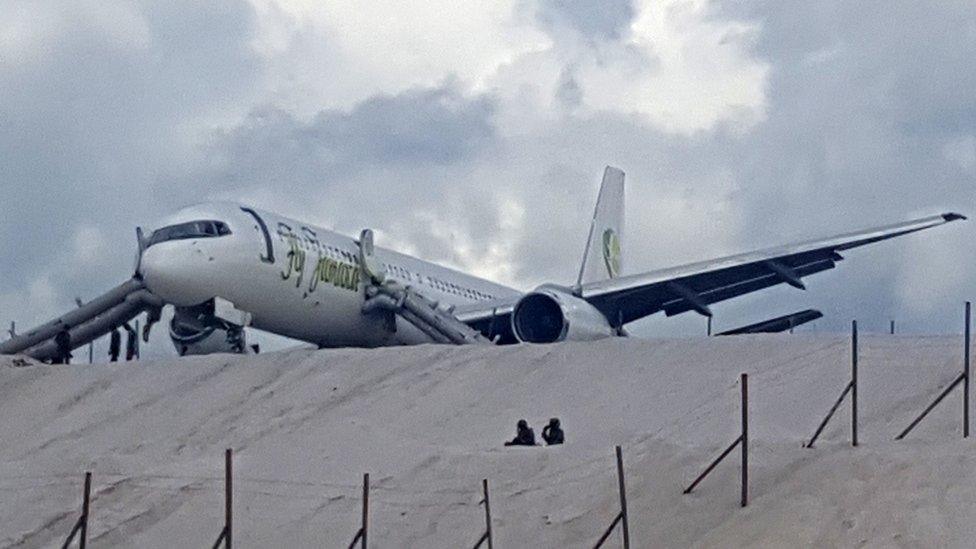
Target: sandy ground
{"x":428,"y":424}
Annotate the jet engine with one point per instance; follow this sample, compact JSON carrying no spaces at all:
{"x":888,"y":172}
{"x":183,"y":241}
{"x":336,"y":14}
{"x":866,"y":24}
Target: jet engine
{"x":552,"y":313}
{"x":197,"y":331}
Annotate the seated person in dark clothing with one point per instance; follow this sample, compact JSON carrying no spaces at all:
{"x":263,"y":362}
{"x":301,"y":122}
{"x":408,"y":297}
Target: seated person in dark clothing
{"x":552,"y":433}
{"x":524,"y":437}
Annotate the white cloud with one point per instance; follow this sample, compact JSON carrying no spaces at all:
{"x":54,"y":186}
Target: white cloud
{"x":29,"y":30}
{"x":335,"y":54}
{"x":936,"y":271}
{"x":677,"y":65}
{"x":961,"y":151}
{"x":702,"y":71}
{"x":29,"y":306}
{"x":90,"y":243}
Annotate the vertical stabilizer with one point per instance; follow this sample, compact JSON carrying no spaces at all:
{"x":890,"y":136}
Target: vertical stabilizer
{"x":602,"y":256}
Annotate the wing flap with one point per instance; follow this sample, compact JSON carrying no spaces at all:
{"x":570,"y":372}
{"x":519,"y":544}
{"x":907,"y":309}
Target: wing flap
{"x":758,"y":282}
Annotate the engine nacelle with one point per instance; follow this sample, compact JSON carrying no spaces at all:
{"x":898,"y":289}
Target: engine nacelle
{"x":196,"y":331}
{"x":552,"y":313}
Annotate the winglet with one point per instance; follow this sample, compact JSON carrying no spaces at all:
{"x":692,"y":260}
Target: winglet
{"x":951,"y":216}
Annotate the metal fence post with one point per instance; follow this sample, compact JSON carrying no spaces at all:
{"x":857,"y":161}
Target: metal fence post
{"x":830,"y":414}
{"x":363,"y":532}
{"x":623,"y":498}
{"x":484,"y":484}
{"x":81,"y":525}
{"x":228,"y":499}
{"x":965,"y":387}
{"x":959,"y":379}
{"x":365,"y":508}
{"x":854,"y":382}
{"x":621,"y":517}
{"x":85,"y":509}
{"x":745,"y":440}
{"x":742,"y":442}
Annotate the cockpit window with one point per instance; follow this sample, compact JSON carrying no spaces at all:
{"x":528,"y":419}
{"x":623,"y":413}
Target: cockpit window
{"x":192,"y":229}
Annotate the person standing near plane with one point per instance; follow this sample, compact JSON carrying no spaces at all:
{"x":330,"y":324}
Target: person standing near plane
{"x":524,"y":435}
{"x":63,"y":343}
{"x":131,"y":340}
{"x":114,"y":345}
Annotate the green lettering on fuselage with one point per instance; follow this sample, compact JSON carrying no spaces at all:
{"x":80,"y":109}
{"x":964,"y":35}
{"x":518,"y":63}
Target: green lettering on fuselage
{"x":296,"y":262}
{"x":340,"y":275}
{"x":327,"y":270}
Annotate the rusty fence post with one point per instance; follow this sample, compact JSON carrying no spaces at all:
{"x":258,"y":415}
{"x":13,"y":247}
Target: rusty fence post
{"x":851,"y":388}
{"x":621,"y":518}
{"x":623,"y":498}
{"x":362,"y":535}
{"x":742,"y":442}
{"x":228,"y":498}
{"x":962,"y":378}
{"x":226,"y":536}
{"x":854,"y":355}
{"x":365,"y":509}
{"x":745,"y":439}
{"x":965,"y":362}
{"x":81,"y":525}
{"x":487,"y":536}
{"x":85,"y":510}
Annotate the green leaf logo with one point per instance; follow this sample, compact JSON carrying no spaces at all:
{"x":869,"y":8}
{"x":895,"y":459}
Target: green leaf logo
{"x":611,"y":252}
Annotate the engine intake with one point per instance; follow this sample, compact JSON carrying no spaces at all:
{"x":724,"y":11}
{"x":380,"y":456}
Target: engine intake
{"x":550,"y":314}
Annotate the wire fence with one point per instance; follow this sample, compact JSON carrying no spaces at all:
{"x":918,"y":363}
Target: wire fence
{"x":484,"y":534}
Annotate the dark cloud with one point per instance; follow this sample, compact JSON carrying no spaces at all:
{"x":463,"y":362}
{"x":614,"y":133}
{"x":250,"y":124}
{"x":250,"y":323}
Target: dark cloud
{"x":863,"y":100}
{"x":99,"y":104}
{"x":870,"y":118}
{"x":418,"y":128}
{"x":607,"y":20}
{"x":400,"y":164}
{"x":568,"y":91}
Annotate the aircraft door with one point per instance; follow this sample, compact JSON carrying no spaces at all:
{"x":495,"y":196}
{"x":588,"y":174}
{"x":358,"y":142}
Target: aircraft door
{"x":268,"y":255}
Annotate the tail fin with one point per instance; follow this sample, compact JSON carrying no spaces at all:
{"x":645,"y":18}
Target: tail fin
{"x":602,"y":257}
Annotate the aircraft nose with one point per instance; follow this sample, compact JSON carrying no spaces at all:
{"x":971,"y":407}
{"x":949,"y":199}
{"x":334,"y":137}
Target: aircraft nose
{"x":156,"y":270}
{"x":169,"y":275}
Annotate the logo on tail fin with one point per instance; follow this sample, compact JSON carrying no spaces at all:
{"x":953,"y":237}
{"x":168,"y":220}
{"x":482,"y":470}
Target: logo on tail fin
{"x":611,"y":252}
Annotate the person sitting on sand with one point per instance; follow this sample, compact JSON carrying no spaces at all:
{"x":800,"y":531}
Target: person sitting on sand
{"x":552,"y":433}
{"x":525,"y":436}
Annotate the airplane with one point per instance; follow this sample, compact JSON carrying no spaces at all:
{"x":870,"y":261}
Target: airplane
{"x":224,"y":267}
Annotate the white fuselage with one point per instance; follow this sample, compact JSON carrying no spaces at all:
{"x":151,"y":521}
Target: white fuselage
{"x":295,"y":279}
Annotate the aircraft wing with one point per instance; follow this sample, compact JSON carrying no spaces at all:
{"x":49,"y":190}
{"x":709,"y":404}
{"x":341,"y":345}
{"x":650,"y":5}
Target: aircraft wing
{"x":695,"y":286}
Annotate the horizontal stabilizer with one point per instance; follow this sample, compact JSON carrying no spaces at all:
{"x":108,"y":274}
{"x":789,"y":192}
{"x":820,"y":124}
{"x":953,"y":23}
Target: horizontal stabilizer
{"x":777,"y":325}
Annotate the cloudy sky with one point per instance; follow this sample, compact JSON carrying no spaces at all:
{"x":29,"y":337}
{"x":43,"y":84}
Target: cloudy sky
{"x":474,"y":134}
